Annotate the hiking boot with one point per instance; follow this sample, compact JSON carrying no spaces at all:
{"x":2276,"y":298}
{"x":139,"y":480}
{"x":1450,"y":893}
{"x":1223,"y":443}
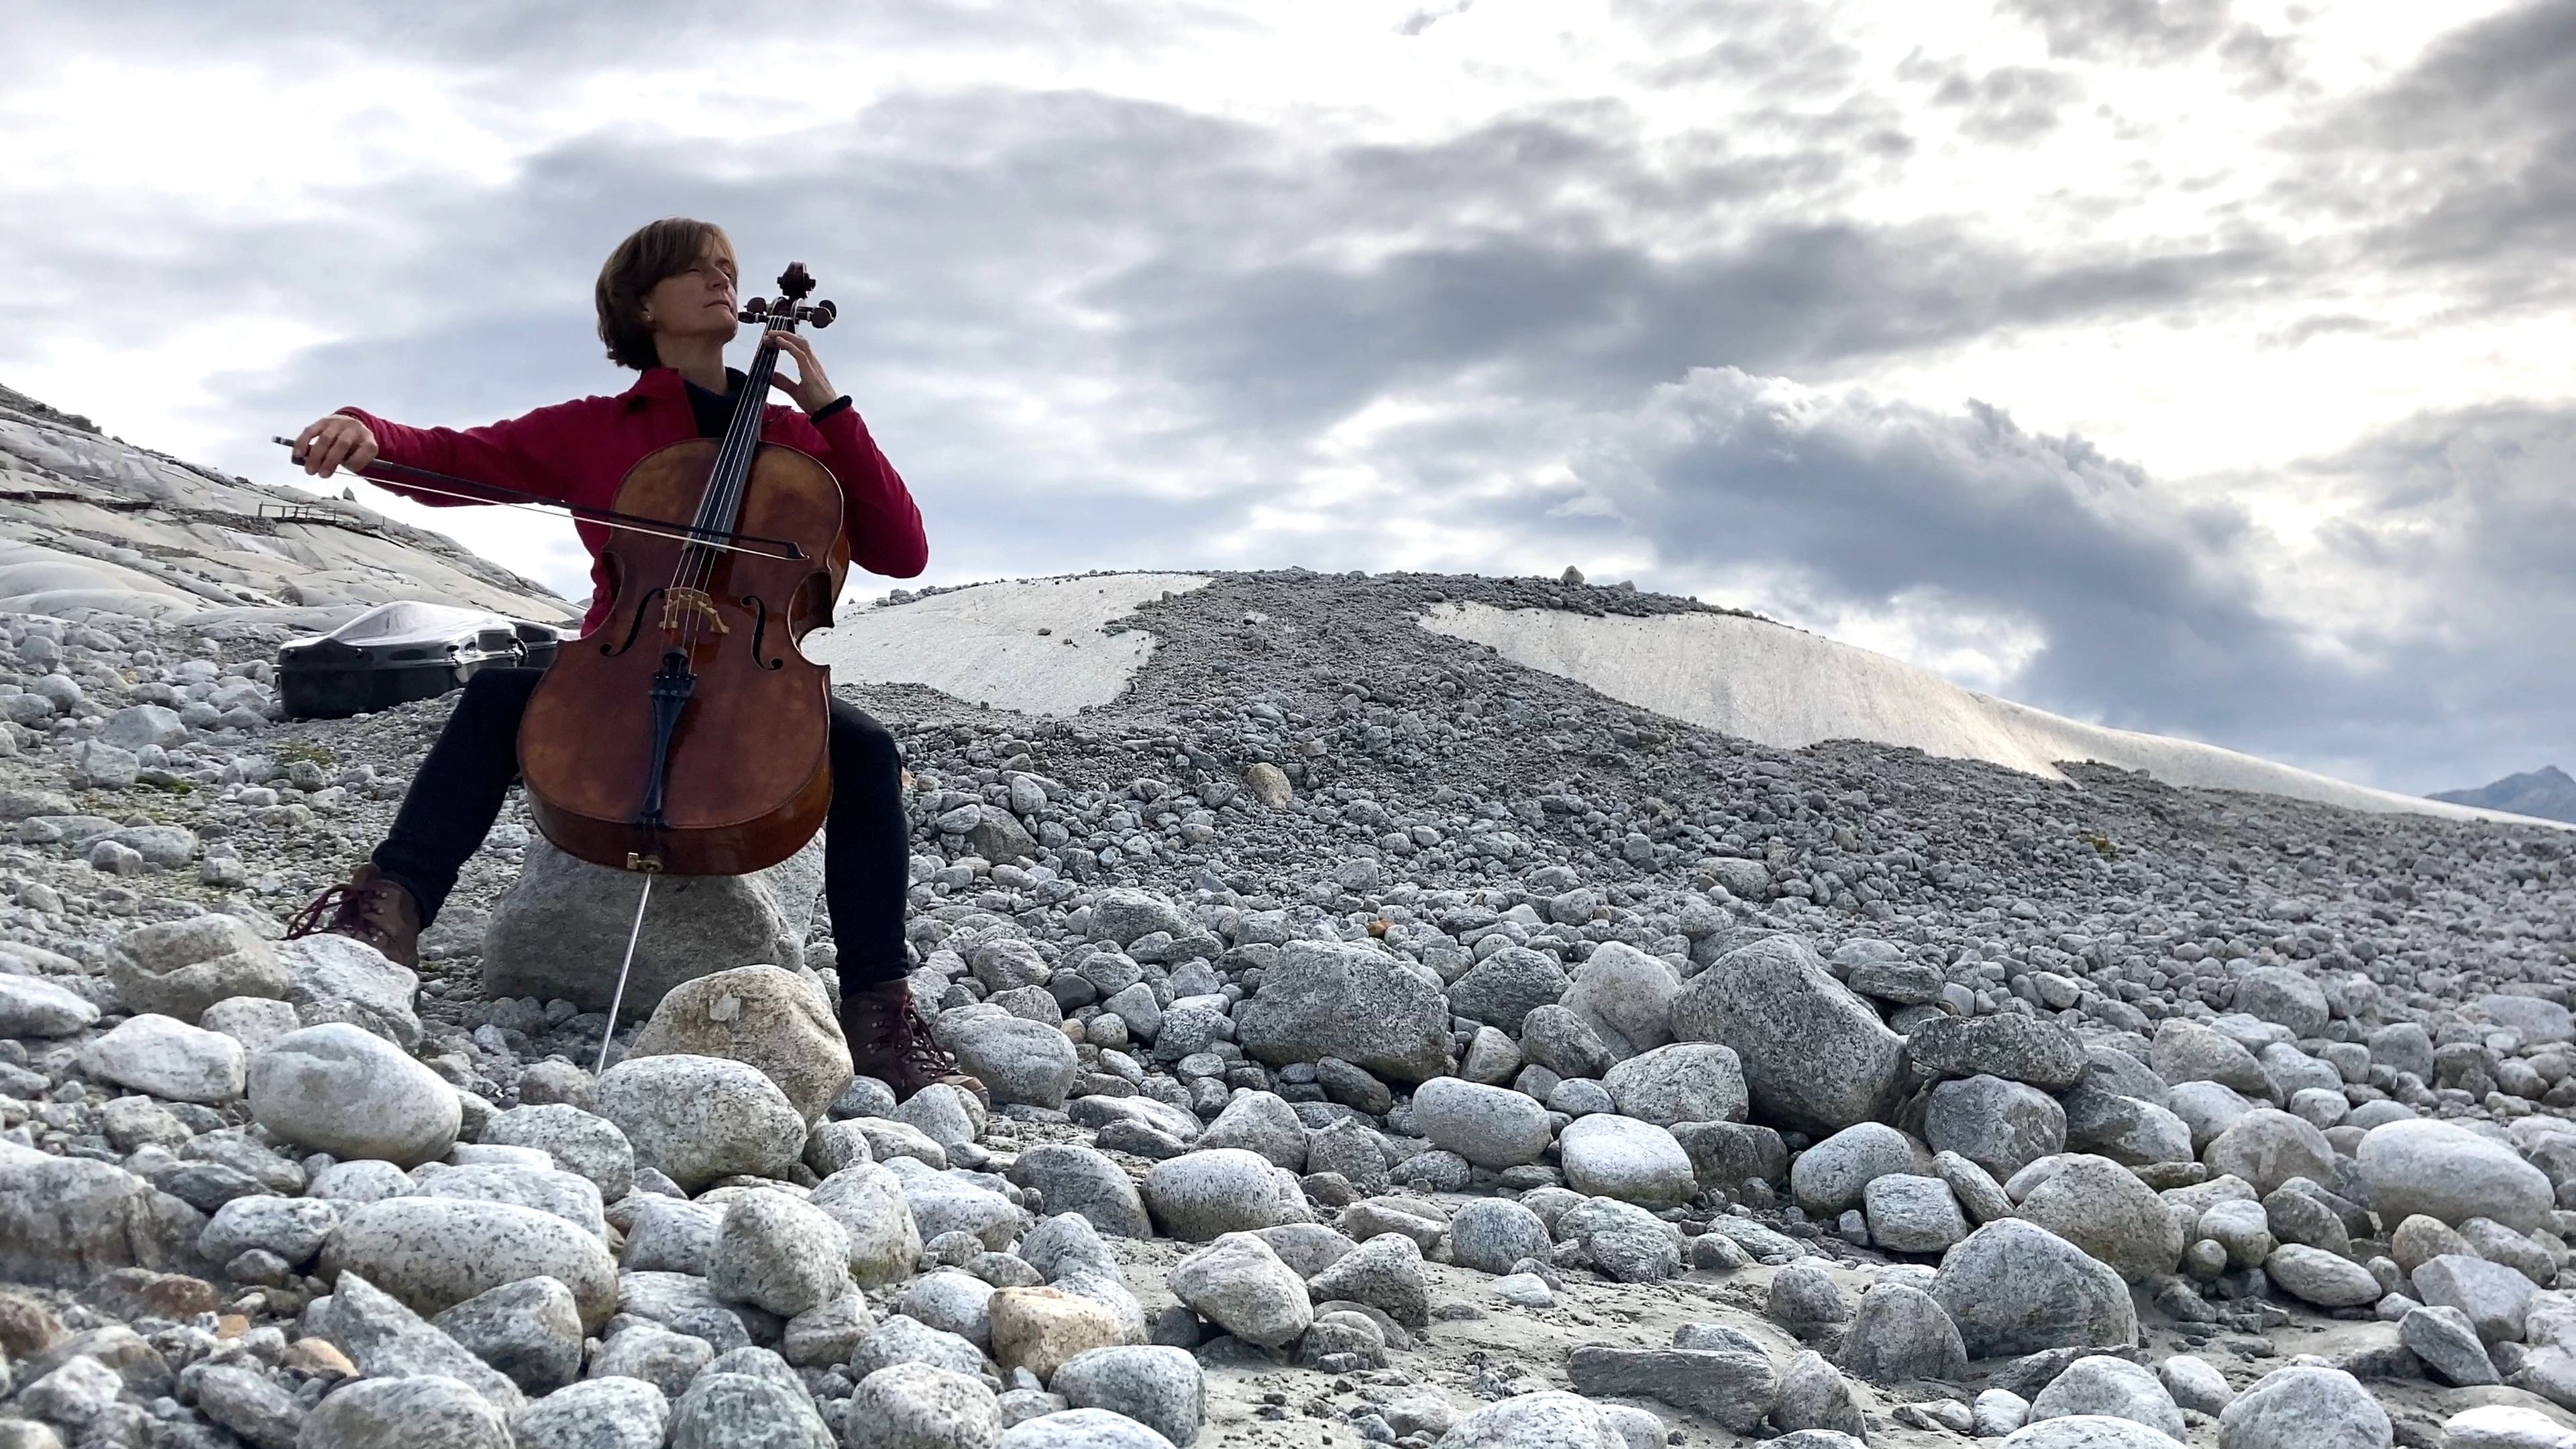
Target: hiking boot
{"x":367,"y":907}
{"x":890,"y":1040}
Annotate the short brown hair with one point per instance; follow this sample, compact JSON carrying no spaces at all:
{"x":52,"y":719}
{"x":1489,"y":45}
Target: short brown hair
{"x":657,"y":251}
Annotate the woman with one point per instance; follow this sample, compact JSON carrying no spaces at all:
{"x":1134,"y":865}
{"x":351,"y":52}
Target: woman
{"x":667,"y":308}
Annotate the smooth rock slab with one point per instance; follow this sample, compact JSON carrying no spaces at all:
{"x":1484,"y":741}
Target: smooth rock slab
{"x":2113,"y":1388}
{"x":2313,"y":1275}
{"x":165,"y":1057}
{"x":1081,"y":1429}
{"x":1899,"y":1335}
{"x":2088,"y":1431}
{"x":179,"y":968}
{"x":33,"y":1007}
{"x":1546,"y":1420}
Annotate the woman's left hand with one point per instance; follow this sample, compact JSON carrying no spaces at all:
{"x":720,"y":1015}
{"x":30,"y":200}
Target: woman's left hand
{"x":811,"y":389}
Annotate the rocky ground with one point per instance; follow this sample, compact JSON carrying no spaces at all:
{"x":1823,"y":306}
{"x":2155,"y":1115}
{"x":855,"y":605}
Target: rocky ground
{"x":1387,"y":1044}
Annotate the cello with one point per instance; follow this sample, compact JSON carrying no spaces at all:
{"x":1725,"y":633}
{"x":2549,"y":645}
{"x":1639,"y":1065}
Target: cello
{"x":688,"y":734}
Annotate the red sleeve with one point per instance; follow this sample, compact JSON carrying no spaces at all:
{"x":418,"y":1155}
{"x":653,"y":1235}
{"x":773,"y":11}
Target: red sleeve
{"x":526,"y":453}
{"x":877,"y":512}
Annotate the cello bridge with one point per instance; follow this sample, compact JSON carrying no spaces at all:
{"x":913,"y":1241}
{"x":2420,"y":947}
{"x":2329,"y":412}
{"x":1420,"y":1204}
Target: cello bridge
{"x":679,"y":606}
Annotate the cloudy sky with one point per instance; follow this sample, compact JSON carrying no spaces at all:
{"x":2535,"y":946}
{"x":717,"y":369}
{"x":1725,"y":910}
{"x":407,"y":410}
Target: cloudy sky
{"x":2198,"y":366}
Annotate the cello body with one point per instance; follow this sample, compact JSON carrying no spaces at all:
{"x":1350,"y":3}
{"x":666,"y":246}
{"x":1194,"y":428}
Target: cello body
{"x":738,"y":776}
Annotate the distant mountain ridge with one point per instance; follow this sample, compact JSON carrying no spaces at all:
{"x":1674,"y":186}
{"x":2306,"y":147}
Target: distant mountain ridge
{"x":2547,"y":792}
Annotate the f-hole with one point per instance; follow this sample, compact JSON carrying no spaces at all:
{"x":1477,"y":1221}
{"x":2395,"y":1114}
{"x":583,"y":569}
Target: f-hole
{"x":760,"y":630}
{"x":634,"y":626}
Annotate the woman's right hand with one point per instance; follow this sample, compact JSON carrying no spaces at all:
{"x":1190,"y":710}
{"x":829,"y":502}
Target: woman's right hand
{"x":334,"y":442}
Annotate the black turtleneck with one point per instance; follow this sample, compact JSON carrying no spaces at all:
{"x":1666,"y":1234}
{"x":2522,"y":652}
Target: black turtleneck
{"x":714,"y":410}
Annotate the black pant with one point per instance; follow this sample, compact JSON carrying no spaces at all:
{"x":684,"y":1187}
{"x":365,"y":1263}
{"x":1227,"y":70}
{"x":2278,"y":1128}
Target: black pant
{"x":867,"y":843}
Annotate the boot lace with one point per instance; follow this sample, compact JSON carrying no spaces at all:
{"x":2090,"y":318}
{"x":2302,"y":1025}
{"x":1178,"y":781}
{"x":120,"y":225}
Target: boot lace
{"x":907,"y":1034}
{"x":350,"y":912}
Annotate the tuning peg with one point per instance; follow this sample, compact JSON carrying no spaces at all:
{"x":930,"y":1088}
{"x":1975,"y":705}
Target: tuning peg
{"x":755,"y":309}
{"x":822,"y":314}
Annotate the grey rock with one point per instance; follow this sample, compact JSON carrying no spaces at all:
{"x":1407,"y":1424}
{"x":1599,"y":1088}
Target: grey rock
{"x":2087,"y":1431}
{"x":2305,"y":1408}
{"x":780,"y":1253}
{"x":572,"y":1198}
{"x":1815,"y":1057}
{"x":1491,"y":1234}
{"x":2313,"y":1275}
{"x":578,"y":1141}
{"x":1908,"y":1214}
{"x":2002,"y":1126}
{"x":245,"y":1402}
{"x":2268,"y":1147}
{"x":543,"y":937}
{"x":2014,"y":1287}
{"x":697,"y":1119}
{"x":1262,"y":1123}
{"x":434,"y":1253}
{"x":1626,"y":997}
{"x":744,"y":1411}
{"x":339,"y":1089}
{"x":1160,"y":1388}
{"x":529,"y":1330}
{"x":1804,"y":1299}
{"x":31,"y":1007}
{"x":336,"y":979}
{"x":1901,"y":1335}
{"x":1544,"y":1420}
{"x":1491,"y":1127}
{"x":1201,"y":1196}
{"x":1240,"y":1285}
{"x":406,"y":1413}
{"x":2131,"y":1131}
{"x":905,"y":1340}
{"x":2448,"y":1344}
{"x":598,"y":1413}
{"x":1814,"y":1397}
{"x":2016,"y":1048}
{"x":2102,"y":1208}
{"x":2495,"y":1298}
{"x":1621,"y":1157}
{"x":1506,"y":987}
{"x":1384,"y":1273}
{"x":1735,"y":1389}
{"x":387,"y":1340}
{"x":69,"y":1220}
{"x":2112,"y":1388}
{"x":1683,"y":1082}
{"x":167,"y":1058}
{"x":1080,"y":1429}
{"x":1018,"y":1060}
{"x":2452,"y":1174}
{"x":922,"y":1406}
{"x":2186,"y":1051}
{"x":1831,"y":1176}
{"x":292,"y":1228}
{"x":179,"y":968}
{"x":1076,"y":1179}
{"x":1351,"y":1002}
{"x":762,"y":1016}
{"x":652,"y":1355}
{"x":1555,"y":1038}
{"x":1724,"y":1154}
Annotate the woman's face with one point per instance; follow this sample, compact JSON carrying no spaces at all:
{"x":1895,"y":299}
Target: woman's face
{"x":699,"y":302}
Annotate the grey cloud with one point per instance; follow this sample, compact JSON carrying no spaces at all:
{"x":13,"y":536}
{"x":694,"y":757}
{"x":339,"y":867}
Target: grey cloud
{"x":2010,"y":104}
{"x":2152,"y":604}
{"x":2152,"y":30}
{"x":2465,"y":163}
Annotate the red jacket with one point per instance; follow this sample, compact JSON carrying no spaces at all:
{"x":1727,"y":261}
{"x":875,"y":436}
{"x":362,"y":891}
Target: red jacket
{"x":579,"y":451}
